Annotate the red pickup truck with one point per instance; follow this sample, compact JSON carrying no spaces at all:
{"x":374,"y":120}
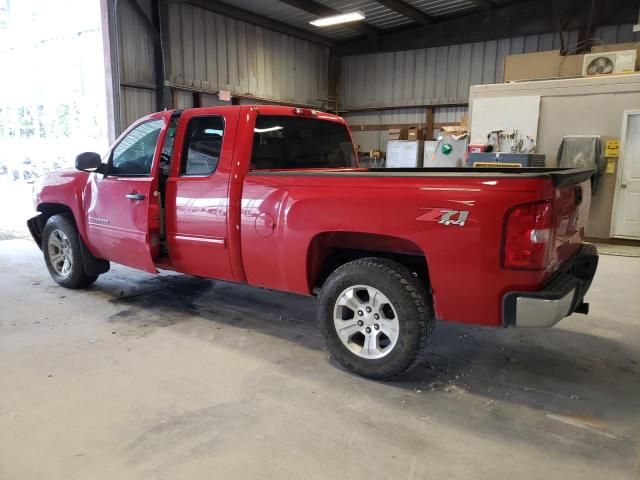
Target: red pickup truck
{"x":272,"y":196}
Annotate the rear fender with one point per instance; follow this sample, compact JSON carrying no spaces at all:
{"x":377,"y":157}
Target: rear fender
{"x":328,"y":250}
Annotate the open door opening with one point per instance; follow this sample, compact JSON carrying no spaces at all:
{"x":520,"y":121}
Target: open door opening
{"x":626,"y":205}
{"x":162,"y":257}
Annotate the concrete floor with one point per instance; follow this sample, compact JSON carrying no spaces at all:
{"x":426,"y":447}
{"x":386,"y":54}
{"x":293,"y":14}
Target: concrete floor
{"x":171,"y":377}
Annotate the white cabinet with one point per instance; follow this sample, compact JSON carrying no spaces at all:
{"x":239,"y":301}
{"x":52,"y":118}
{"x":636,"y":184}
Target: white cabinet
{"x":404,"y":154}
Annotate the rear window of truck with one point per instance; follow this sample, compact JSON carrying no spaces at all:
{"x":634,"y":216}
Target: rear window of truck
{"x":284,"y":142}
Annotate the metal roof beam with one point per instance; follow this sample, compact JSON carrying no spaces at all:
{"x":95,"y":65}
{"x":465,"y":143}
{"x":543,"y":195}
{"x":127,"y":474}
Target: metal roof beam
{"x":483,"y":4}
{"x":316,"y":8}
{"x":407,"y":10}
{"x":529,"y":17}
{"x":260,"y":20}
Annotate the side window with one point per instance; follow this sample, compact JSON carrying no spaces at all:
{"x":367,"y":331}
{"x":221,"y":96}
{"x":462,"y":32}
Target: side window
{"x":202,"y":145}
{"x":134,"y":154}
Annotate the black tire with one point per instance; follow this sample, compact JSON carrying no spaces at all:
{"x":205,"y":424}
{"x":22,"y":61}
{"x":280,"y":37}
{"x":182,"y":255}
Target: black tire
{"x":407,"y":296}
{"x":76,"y":277}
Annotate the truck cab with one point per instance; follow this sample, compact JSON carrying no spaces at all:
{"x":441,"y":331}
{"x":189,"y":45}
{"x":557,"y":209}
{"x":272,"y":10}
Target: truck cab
{"x":160,"y":198}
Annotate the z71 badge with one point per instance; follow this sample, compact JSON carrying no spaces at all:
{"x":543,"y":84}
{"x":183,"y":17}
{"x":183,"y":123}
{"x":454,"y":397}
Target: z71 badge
{"x":445,"y":217}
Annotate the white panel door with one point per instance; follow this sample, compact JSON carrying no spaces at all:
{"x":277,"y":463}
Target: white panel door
{"x":626,"y":212}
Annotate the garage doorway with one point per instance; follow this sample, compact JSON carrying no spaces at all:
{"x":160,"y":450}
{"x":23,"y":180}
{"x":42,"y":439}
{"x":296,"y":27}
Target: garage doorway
{"x":52,"y":96}
{"x":626,"y":205}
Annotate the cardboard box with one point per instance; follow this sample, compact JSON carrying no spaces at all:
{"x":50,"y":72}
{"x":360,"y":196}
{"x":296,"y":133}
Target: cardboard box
{"x":415,"y":133}
{"x":537,"y":65}
{"x":457,"y":131}
{"x":398,"y":134}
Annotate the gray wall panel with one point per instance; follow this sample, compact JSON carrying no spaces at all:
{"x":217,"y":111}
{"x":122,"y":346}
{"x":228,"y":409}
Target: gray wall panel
{"x":212,"y":101}
{"x":182,"y":99}
{"x":437,"y":75}
{"x":209,"y":52}
{"x":135,"y":46}
{"x":212,"y":52}
{"x":135,"y":65}
{"x":443,"y":75}
{"x":135,"y":103}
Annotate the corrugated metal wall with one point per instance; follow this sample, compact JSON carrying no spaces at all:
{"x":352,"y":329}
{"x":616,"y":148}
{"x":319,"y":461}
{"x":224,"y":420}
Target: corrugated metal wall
{"x":135,"y":45}
{"x":135,"y":54}
{"x":436,"y":76}
{"x":212,"y":101}
{"x":211,"y":52}
{"x":443,"y":75}
{"x":184,"y":99}
{"x":135,"y":103}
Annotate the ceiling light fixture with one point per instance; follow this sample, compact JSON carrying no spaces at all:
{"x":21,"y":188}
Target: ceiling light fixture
{"x":337,"y":19}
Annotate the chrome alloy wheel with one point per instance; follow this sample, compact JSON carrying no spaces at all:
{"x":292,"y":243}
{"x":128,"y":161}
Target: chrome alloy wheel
{"x":60,"y":252}
{"x":366,"y":321}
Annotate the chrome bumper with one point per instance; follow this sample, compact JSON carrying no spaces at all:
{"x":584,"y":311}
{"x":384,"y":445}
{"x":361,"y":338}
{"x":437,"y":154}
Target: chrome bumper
{"x":561,"y":296}
{"x":542,"y":312}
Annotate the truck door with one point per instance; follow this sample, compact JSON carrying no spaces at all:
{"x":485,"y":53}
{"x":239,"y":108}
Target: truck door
{"x":197,"y":192}
{"x":123,"y":210}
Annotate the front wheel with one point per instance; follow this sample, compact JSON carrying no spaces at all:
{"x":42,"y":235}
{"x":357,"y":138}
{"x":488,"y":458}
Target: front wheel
{"x":61,"y":248}
{"x":376,"y":317}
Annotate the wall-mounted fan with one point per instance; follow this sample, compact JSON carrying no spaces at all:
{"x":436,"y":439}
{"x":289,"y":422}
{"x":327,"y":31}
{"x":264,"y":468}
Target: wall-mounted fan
{"x":605,"y":63}
{"x":600,"y":65}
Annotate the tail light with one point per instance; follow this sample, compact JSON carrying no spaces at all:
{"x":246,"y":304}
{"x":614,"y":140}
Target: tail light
{"x":527,"y":236}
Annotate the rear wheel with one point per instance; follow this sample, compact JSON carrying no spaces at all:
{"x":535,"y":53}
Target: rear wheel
{"x":61,"y":248}
{"x":376,"y":316}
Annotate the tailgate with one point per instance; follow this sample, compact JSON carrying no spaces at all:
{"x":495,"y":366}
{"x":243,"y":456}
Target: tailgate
{"x":570,"y":212}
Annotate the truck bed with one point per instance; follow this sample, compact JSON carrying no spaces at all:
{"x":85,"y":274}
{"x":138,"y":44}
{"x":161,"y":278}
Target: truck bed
{"x":559,"y":176}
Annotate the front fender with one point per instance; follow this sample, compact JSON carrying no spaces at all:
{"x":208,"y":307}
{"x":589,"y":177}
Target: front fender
{"x":62,"y":188}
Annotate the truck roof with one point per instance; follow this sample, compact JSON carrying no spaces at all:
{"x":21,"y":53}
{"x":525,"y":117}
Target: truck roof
{"x":272,"y":110}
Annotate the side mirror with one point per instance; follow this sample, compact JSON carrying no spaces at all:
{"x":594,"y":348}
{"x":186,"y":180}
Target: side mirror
{"x":89,"y":162}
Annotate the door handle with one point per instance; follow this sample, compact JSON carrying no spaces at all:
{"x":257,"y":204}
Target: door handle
{"x":623,"y":185}
{"x":134,"y":196}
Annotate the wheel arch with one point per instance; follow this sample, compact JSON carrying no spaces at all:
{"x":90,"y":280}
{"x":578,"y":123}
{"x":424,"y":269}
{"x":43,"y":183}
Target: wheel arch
{"x":329,"y":250}
{"x":47,"y":210}
{"x":92,"y":264}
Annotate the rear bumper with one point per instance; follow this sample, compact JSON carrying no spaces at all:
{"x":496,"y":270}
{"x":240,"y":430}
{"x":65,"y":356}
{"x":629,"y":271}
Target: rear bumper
{"x":561,"y":296}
